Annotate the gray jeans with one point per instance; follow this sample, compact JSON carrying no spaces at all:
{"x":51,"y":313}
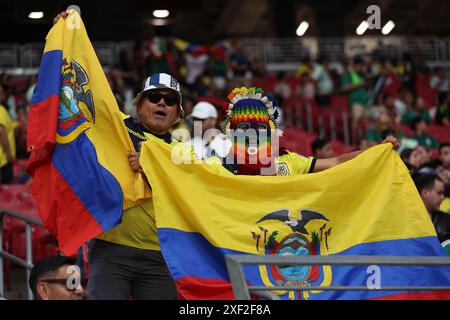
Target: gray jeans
{"x":119,"y":272}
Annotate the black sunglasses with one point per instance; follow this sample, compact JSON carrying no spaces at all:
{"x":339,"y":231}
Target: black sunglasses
{"x":58,"y":281}
{"x":169,"y":99}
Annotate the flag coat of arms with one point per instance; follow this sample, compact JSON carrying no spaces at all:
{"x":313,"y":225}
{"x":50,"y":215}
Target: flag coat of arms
{"x":366,"y":206}
{"x":78,"y":142}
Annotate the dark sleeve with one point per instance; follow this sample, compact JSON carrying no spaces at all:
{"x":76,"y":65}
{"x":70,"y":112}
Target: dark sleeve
{"x":133,"y":128}
{"x":313,"y":165}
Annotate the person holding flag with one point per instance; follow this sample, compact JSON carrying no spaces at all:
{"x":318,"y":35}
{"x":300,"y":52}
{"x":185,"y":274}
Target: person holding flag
{"x":361,"y":203}
{"x":126,"y":260}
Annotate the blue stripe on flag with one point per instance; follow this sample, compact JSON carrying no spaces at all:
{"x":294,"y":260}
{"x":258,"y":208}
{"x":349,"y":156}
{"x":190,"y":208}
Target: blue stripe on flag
{"x":95,"y":186}
{"x":49,"y":79}
{"x":190,"y":254}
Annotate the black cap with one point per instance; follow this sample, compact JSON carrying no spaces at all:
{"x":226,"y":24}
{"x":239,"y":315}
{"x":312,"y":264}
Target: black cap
{"x":49,"y":264}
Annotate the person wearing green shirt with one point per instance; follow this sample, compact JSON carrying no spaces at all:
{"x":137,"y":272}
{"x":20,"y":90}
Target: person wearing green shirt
{"x":383,"y":127}
{"x":354,"y":85}
{"x":419,"y":126}
{"x":418,"y":109}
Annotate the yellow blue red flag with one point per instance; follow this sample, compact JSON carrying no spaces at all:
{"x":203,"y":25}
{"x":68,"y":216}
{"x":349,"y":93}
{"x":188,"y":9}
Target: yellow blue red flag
{"x":366,"y":206}
{"x":78,"y":141}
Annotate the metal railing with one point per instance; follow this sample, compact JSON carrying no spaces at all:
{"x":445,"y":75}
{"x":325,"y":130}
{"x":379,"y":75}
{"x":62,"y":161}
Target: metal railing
{"x":242,"y":291}
{"x":28,"y":262}
{"x":277,"y":54}
{"x":300,"y":115}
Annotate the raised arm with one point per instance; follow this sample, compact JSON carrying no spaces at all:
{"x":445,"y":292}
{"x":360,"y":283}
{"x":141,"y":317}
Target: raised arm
{"x":323,"y":164}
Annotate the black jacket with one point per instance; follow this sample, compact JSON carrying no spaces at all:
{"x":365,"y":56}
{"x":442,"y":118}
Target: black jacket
{"x":441,"y":222}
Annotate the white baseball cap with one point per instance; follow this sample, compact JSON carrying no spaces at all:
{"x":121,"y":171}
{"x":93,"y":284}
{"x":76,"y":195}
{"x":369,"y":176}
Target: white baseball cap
{"x":161,"y":81}
{"x":204,"y":110}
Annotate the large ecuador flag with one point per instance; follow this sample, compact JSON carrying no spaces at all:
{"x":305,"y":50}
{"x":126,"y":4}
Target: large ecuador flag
{"x":366,"y":206}
{"x":78,"y":142}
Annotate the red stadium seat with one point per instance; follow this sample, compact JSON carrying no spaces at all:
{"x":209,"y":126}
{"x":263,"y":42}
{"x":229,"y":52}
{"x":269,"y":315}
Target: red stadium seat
{"x":266,"y":84}
{"x":45,"y":246}
{"x":340,"y":148}
{"x":425,"y":91}
{"x":392,"y":85}
{"x":340,"y":102}
{"x":298,"y":141}
{"x":18,"y":198}
{"x":407,"y":131}
{"x":440,"y":133}
{"x":293,"y":83}
{"x":19,"y":167}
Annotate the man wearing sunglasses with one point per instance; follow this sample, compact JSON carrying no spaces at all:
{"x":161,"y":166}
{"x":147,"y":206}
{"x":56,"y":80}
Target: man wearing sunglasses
{"x":126,"y":261}
{"x":56,"y":278}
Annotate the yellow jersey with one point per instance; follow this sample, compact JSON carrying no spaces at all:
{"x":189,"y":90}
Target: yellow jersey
{"x":287,"y":164}
{"x":138,"y":226}
{"x":8,"y":124}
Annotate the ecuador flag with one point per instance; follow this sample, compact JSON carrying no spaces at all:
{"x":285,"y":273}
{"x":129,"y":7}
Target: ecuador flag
{"x":78,"y":142}
{"x":366,"y":206}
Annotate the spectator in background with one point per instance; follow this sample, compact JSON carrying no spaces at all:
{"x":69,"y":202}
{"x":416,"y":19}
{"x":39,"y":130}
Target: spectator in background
{"x":444,"y":173}
{"x":424,"y":154}
{"x":196,"y":61}
{"x":304,"y":68}
{"x":30,"y":90}
{"x":322,"y":149}
{"x":419,"y":126}
{"x":218,"y":69}
{"x":439,"y":82}
{"x":431,"y":190}
{"x":325,"y":87}
{"x":414,"y":108}
{"x":239,"y":63}
{"x":403,"y":69}
{"x":443,"y":112}
{"x":7,"y":143}
{"x":354,"y":83}
{"x":420,"y":66}
{"x":383,"y":127}
{"x":404,"y":101}
{"x":415,"y":160}
{"x":156,"y":60}
{"x":282,"y":90}
{"x":306,"y":88}
{"x":405,"y":155}
{"x":204,"y":116}
{"x":390,"y":108}
{"x":258,"y":67}
{"x":186,"y":123}
{"x":52,"y":279}
{"x":444,"y":155}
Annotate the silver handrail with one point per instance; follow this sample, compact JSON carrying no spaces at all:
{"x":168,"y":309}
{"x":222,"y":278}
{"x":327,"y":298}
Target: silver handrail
{"x":242,"y":291}
{"x":28,"y":262}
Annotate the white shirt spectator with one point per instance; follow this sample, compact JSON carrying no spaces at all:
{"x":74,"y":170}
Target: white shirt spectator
{"x":195,"y":66}
{"x":324,"y":82}
{"x":438,"y":84}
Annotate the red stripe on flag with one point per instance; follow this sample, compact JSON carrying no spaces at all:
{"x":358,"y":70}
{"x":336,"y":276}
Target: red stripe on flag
{"x":53,"y":195}
{"x":193,"y":288}
{"x":41,"y":132}
{"x":431,"y":295}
